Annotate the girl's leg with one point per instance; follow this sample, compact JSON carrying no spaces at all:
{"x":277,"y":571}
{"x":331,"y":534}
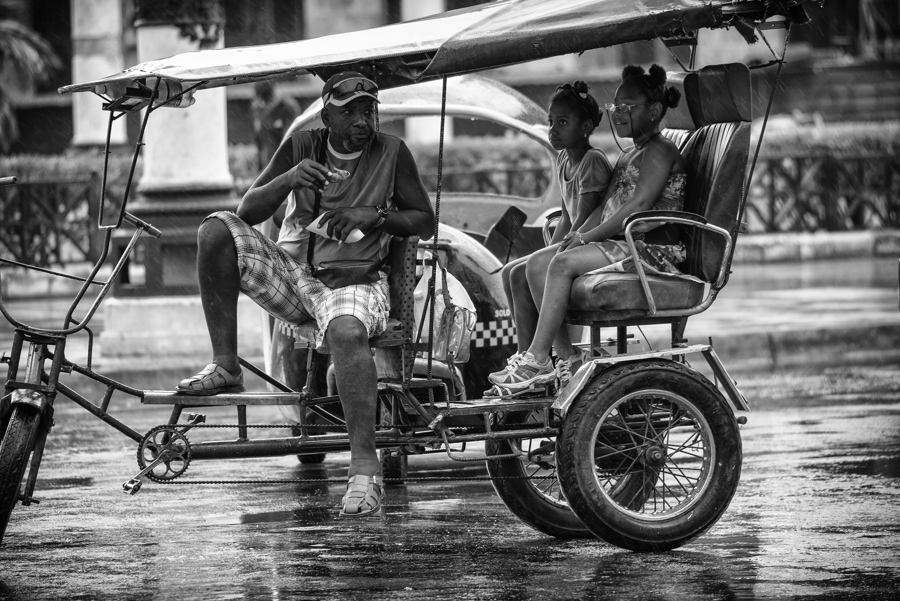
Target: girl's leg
{"x":536,"y":272}
{"x":537,"y":277}
{"x":515,"y":285}
{"x":562,"y":271}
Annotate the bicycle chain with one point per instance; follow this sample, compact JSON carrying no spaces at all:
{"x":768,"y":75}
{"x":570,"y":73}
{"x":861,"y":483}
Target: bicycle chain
{"x":344,"y":480}
{"x":309,"y":426}
{"x":333,"y":480}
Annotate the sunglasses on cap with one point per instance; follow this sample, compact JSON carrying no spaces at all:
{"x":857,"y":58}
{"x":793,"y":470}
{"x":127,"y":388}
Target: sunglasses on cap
{"x":344,"y":91}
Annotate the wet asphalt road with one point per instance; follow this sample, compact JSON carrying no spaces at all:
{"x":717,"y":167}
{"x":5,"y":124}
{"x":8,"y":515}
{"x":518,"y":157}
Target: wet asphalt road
{"x":815,"y":517}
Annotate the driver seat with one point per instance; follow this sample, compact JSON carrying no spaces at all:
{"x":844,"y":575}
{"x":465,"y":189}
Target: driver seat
{"x":711,"y":126}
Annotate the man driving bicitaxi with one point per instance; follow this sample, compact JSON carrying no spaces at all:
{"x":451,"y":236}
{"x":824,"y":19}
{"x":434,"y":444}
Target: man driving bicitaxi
{"x":354,"y":178}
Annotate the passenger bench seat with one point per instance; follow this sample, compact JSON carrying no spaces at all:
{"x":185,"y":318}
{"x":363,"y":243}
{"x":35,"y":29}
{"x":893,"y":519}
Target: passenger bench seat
{"x":711,"y":127}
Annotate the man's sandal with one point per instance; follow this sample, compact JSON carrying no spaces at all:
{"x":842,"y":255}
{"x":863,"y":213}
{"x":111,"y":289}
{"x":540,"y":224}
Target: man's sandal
{"x":363,"y":497}
{"x":214,"y":379}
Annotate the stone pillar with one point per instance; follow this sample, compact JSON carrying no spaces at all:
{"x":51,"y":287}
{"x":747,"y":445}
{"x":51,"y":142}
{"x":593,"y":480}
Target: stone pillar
{"x":157,"y":314}
{"x":186,"y":149}
{"x":185,"y":172}
{"x":424,"y":130}
{"x":97,"y":52}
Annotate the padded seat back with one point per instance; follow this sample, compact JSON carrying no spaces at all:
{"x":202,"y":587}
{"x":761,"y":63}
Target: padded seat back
{"x":401,"y":283}
{"x":711,"y":126}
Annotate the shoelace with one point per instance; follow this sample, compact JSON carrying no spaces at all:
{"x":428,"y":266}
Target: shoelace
{"x":564,"y":370}
{"x":564,"y":367}
{"x":514,"y":361}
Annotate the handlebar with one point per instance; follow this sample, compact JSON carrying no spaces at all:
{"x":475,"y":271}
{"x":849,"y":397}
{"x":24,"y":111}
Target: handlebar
{"x":142,"y":227}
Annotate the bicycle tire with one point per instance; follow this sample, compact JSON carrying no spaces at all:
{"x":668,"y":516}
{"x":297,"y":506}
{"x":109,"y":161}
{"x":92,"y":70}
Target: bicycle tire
{"x":538,"y":503}
{"x":15,"y":449}
{"x":671,"y":477}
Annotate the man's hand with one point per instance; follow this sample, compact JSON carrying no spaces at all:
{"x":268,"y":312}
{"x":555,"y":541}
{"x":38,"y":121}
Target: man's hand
{"x":340,"y":222}
{"x":309,"y":174}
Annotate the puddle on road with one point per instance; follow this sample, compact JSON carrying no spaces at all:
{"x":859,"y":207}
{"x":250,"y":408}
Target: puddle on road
{"x":885,"y":467}
{"x":65,"y":482}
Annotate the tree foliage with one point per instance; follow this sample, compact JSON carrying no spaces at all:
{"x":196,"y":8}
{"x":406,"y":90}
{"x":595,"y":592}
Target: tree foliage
{"x":25,"y":53}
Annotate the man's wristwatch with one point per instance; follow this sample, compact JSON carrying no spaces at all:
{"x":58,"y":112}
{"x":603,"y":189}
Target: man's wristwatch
{"x":382,"y":215}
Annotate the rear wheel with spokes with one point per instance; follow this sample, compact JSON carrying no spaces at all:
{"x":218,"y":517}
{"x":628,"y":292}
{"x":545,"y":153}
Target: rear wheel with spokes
{"x":650,"y":455}
{"x":528,"y":485}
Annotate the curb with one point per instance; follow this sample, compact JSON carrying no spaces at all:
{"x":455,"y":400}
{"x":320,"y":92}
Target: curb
{"x":787,"y":247}
{"x":790,"y":349}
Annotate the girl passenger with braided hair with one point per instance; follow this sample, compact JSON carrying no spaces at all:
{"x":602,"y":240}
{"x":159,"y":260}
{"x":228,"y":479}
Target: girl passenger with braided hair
{"x":584,"y":175}
{"x":649,"y":176}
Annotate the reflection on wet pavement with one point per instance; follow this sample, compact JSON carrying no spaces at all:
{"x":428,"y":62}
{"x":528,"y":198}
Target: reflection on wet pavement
{"x":814,"y":518}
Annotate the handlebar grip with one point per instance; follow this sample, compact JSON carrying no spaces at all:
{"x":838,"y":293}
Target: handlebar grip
{"x":137,"y":222}
{"x":7,"y":181}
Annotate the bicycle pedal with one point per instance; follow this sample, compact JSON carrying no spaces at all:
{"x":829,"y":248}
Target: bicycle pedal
{"x":132,"y":486}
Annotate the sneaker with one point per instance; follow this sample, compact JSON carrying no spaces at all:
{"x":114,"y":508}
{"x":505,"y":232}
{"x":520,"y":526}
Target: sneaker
{"x":566,"y":368}
{"x":526,"y":371}
{"x":511,"y":363}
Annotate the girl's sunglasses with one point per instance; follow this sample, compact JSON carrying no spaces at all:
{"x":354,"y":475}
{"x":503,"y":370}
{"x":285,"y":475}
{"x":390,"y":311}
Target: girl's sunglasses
{"x":621,"y":108}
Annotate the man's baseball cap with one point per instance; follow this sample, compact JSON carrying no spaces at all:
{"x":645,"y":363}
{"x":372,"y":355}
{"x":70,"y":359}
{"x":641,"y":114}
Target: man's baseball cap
{"x":343,"y":87}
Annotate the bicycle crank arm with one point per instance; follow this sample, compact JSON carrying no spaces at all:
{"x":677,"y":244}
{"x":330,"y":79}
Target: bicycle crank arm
{"x":134,"y":485}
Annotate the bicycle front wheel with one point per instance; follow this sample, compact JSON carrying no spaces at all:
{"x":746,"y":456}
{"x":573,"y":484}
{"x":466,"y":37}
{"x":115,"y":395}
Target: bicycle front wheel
{"x":15,"y":449}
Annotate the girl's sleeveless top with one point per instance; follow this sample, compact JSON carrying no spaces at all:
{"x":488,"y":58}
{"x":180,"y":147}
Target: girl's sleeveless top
{"x":591,"y":175}
{"x":671,"y":199}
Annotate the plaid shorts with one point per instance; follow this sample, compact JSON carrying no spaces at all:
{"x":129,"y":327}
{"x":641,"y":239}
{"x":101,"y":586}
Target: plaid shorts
{"x":286,"y":288}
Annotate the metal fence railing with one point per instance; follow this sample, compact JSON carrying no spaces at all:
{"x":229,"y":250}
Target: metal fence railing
{"x":53,"y":222}
{"x":825,"y":193}
{"x":50,"y":222}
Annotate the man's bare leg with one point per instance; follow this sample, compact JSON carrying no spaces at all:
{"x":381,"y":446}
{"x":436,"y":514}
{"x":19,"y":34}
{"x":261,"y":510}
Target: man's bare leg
{"x":220,"y":283}
{"x":357,"y":382}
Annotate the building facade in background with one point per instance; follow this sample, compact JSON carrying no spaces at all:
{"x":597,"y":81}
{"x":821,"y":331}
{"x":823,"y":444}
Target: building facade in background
{"x":845,"y":65}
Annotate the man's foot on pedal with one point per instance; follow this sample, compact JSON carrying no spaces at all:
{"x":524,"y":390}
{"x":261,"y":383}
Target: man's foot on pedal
{"x":526,"y":371}
{"x":566,"y":368}
{"x":213,"y":379}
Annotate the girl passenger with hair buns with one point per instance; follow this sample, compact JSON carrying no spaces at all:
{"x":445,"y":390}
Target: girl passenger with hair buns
{"x":584,"y":176}
{"x":649,"y":176}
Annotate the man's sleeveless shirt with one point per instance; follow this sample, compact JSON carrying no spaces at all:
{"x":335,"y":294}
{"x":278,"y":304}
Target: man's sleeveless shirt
{"x":371,"y":183}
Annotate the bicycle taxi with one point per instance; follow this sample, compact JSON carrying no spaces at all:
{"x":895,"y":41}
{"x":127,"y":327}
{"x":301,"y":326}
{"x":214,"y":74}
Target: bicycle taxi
{"x":641,"y":449}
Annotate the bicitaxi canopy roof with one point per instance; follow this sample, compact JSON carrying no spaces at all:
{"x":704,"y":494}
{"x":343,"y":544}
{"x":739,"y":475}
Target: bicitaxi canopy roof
{"x":486,"y":36}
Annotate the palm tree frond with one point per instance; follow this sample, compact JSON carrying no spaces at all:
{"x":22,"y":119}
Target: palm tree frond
{"x":27,"y":52}
{"x":9,"y":128}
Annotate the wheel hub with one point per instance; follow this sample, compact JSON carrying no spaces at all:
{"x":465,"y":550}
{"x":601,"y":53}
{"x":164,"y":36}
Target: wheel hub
{"x":654,"y":456}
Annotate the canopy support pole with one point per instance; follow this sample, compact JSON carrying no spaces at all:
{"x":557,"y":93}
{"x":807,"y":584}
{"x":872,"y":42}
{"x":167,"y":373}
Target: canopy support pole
{"x":437,"y":225}
{"x":745,"y":191}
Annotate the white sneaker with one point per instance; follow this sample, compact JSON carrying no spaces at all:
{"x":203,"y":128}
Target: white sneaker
{"x":566,"y":368}
{"x":525,"y":371}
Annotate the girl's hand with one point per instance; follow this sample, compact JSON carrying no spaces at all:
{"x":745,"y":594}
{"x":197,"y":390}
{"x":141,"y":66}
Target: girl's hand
{"x":571,"y":240}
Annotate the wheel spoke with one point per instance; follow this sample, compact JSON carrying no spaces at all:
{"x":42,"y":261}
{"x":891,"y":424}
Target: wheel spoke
{"x":648,"y":424}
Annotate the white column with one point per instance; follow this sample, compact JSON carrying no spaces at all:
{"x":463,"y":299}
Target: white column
{"x":97,"y":52}
{"x":187,"y":149}
{"x":424,"y":130}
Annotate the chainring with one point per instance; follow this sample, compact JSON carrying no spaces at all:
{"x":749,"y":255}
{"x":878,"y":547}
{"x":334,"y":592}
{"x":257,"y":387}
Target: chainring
{"x":155,"y":442}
